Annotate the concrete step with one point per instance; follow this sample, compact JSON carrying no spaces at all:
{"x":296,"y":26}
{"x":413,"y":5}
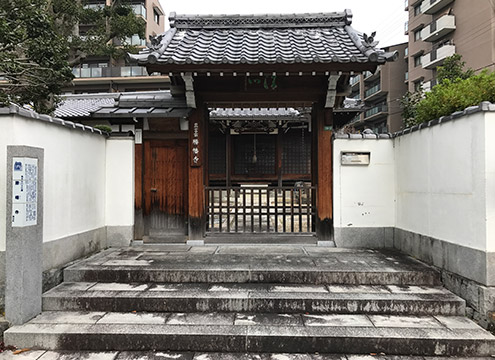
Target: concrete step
{"x":254,"y":333}
{"x":161,"y":355}
{"x":252,"y":264}
{"x":268,"y":298}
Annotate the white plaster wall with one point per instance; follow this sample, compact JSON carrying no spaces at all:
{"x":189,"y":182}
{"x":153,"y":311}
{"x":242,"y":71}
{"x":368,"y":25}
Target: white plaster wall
{"x":490,"y":180}
{"x":440,"y":174}
{"x":74,"y":175}
{"x":364,"y":196}
{"x":5,"y":138}
{"x":120,"y":182}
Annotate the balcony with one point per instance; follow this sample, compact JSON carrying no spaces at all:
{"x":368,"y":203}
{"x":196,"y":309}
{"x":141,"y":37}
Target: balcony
{"x":376,"y":112}
{"x":134,"y":40}
{"x":438,"y":29}
{"x":437,"y":56}
{"x":139,"y":9}
{"x":106,"y":72}
{"x":406,"y":28}
{"x":374,"y":92}
{"x":354,"y":80}
{"x":95,"y":6}
{"x":369,"y":76}
{"x":433,"y":6}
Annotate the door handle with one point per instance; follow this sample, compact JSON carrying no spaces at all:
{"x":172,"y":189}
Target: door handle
{"x":154,"y":190}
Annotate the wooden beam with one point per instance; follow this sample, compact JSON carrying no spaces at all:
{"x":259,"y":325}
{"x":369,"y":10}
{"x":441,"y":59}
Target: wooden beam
{"x":292,"y":69}
{"x":324,"y":223}
{"x":196,"y":223}
{"x":189,"y":86}
{"x":331,"y":91}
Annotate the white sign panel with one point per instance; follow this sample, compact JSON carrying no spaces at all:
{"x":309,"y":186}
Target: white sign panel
{"x":24,"y":191}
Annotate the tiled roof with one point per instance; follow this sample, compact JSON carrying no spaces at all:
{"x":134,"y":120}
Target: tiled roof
{"x":123,"y":105}
{"x":30,"y":114}
{"x":262,"y":39}
{"x":82,"y":107}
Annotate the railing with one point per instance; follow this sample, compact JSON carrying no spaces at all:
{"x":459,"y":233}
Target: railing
{"x":111,"y":71}
{"x":372,"y":90}
{"x":354,"y":80}
{"x":139,"y":9}
{"x":261,"y":209}
{"x":376,"y":110}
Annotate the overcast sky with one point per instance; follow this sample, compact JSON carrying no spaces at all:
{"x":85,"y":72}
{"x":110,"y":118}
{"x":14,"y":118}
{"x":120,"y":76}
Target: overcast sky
{"x":386,"y":17}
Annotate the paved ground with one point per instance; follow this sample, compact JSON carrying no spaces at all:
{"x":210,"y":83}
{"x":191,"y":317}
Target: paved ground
{"x":252,"y":257}
{"x":225,"y":287}
{"x":52,"y":355}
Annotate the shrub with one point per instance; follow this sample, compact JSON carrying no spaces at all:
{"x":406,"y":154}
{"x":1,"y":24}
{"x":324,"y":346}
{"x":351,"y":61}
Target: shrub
{"x":451,"y":96}
{"x":104,"y":128}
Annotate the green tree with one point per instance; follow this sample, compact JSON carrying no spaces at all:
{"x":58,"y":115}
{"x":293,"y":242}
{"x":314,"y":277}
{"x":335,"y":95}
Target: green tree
{"x":408,"y":103}
{"x":453,"y":69}
{"x":451,"y":96}
{"x":97,"y":30}
{"x":41,"y":40}
{"x":33,"y":55}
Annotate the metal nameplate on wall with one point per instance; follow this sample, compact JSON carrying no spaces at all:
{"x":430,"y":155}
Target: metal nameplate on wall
{"x":355,"y":158}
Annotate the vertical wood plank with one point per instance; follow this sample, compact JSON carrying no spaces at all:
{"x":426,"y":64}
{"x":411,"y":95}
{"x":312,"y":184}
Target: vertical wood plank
{"x":196,"y":177}
{"x":228,"y":143}
{"x":324,"y":229}
{"x":279,"y":156}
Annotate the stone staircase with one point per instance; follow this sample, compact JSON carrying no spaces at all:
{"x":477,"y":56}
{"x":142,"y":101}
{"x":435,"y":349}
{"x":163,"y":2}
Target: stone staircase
{"x":253,"y":302}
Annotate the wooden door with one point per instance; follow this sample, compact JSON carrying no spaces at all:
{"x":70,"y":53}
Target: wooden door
{"x":165,"y":188}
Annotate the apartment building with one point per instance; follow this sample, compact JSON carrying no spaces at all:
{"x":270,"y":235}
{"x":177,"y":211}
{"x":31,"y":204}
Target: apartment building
{"x":380,"y":92}
{"x":104,"y":74}
{"x":440,"y":28}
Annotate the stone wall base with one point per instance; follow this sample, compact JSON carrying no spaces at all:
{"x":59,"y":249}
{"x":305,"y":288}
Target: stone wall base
{"x":480,"y":299}
{"x":364,"y":237}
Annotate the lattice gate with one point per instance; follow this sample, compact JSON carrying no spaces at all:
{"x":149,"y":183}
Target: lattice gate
{"x":261,"y":209}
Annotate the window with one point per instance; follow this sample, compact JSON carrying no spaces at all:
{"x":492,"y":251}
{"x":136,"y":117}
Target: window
{"x":94,"y":5}
{"x":156,"y":16}
{"x":417,"y":61}
{"x":417,"y":35}
{"x":135,"y":40}
{"x":406,"y":76}
{"x":139,"y":9}
{"x":406,"y":52}
{"x":418,"y":85}
{"x":417,"y":9}
{"x":89,"y":70}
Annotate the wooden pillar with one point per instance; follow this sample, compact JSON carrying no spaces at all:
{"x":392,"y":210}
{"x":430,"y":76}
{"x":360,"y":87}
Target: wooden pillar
{"x":228,"y":160}
{"x":197,"y":160}
{"x":279,"y":155}
{"x":324,"y":203}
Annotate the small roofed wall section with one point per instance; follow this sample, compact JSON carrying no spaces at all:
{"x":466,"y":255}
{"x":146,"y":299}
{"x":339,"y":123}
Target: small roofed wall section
{"x":77,"y":196}
{"x":364,"y":195}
